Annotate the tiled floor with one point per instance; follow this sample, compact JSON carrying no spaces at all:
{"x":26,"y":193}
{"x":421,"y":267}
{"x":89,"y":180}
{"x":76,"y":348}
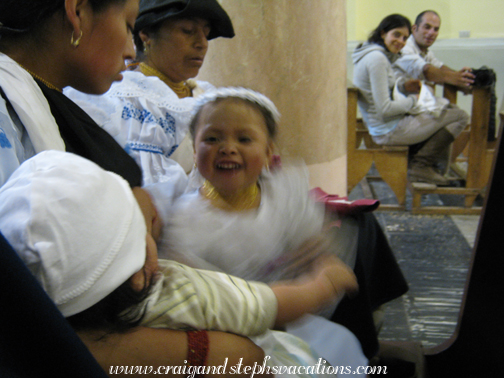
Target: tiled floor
{"x":434,"y":254}
{"x":434,"y":257}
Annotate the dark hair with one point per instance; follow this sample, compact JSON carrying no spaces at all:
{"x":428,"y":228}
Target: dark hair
{"x":269,"y":119}
{"x":152,"y":31}
{"x":419,"y":18}
{"x":117,"y":312}
{"x":390,"y":22}
{"x":24,"y":16}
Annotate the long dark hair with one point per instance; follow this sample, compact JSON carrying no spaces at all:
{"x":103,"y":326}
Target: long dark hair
{"x":19,"y":17}
{"x":390,"y":22}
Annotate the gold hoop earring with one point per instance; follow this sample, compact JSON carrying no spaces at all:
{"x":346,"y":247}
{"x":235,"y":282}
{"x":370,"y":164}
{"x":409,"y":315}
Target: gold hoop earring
{"x":76,"y":42}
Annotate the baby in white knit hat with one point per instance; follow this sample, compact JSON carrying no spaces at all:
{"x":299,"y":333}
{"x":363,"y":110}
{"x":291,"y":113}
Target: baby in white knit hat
{"x":82,"y":234}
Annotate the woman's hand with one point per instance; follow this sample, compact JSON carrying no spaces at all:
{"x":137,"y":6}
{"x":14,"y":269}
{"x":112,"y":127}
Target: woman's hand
{"x":152,"y":220}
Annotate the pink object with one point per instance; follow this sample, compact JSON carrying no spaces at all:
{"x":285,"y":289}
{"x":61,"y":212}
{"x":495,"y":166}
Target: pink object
{"x":341,"y":205}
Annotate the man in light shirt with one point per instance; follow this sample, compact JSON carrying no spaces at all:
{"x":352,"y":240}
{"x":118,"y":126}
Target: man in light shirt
{"x":418,"y":62}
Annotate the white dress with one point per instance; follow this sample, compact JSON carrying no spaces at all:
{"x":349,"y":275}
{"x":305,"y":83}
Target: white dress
{"x":252,"y":245}
{"x":249,"y":244}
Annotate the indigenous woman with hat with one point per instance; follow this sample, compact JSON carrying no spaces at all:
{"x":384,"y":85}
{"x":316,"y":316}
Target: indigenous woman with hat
{"x":44,"y":47}
{"x":148,"y":112}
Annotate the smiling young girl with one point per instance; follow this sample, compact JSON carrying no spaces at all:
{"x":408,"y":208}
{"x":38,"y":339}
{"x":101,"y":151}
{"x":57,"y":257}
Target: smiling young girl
{"x":242,"y":214}
{"x":239,"y":215}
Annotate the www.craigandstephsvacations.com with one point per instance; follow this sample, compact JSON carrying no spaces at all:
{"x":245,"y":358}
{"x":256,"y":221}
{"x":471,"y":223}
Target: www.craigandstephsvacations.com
{"x":321,"y":367}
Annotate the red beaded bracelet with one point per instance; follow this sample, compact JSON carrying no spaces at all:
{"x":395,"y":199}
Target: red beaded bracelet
{"x":197,"y":349}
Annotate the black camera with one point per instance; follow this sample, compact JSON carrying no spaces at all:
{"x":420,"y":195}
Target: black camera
{"x":484,"y":77}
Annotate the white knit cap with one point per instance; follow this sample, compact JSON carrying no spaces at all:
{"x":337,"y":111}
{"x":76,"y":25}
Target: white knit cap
{"x":237,"y":92}
{"x":78,"y":228}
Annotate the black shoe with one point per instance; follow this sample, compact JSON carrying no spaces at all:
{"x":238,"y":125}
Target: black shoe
{"x":428,"y":175}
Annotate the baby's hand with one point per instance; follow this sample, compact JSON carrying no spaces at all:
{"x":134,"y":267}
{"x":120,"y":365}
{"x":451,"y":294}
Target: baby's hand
{"x":335,"y":277}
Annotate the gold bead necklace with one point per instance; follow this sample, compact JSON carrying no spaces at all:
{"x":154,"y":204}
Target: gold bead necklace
{"x":181,"y":89}
{"x":43,"y":81}
{"x":243,"y":200}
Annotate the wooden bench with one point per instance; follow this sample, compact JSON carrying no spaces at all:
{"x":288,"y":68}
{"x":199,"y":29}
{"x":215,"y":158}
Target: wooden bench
{"x":390,"y":161}
{"x":479,"y":159}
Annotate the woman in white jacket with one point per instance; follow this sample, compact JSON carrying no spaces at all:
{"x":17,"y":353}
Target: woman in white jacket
{"x":389,"y":121}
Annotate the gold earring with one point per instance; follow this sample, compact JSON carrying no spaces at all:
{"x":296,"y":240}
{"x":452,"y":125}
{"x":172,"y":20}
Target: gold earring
{"x":76,"y":42}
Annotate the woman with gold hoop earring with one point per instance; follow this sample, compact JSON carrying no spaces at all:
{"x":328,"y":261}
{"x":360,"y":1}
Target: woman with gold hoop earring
{"x":36,"y":114}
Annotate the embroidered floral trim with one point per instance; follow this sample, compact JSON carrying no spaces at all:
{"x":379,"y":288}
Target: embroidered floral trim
{"x":144,"y":116}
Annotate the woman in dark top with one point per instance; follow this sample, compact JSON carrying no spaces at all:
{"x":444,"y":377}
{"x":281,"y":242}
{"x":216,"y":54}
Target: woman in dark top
{"x":44,"y":47}
{"x":72,"y":52}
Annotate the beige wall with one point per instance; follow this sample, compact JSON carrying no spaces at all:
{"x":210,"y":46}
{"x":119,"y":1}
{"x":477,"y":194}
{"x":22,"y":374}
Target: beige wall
{"x":483,"y":18}
{"x":293,"y":52}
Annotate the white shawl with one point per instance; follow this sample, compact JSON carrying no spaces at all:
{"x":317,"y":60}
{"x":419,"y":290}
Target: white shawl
{"x":30,"y":105}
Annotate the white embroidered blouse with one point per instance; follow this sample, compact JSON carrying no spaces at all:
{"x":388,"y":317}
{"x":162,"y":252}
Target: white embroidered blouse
{"x":148,"y":119}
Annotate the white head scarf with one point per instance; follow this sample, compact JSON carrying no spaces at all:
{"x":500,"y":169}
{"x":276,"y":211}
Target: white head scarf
{"x":237,"y":92}
{"x":77,"y":227}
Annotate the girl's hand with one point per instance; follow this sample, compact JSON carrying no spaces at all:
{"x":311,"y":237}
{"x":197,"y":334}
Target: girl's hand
{"x":300,"y":261}
{"x":335,"y":276}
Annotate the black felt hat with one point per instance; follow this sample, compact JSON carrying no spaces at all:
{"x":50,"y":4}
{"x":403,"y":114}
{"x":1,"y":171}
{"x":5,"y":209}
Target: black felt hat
{"x":154,"y":11}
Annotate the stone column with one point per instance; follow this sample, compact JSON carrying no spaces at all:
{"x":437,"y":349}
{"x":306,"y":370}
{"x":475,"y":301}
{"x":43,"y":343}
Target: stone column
{"x":293,"y":51}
